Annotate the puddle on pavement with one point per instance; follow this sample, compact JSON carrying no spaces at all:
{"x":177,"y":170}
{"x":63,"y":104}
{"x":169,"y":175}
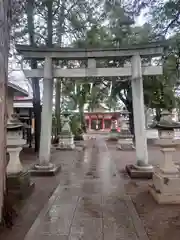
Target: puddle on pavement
{"x":91,"y":208}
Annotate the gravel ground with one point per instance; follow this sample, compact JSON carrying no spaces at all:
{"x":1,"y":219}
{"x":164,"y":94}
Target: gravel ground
{"x":162,"y":222}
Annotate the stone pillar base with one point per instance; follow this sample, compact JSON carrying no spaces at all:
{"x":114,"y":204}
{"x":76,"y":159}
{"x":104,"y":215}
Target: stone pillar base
{"x":66,"y":142}
{"x":65,"y":147}
{"x":45,"y":170}
{"x":144,"y":172}
{"x":166,"y":187}
{"x":113,"y":135}
{"x":19,"y":185}
{"x":162,"y":198}
{"x":79,"y":138}
{"x":126,"y":143}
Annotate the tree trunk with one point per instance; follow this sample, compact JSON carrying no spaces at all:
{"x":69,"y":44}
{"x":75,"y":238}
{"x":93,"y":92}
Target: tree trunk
{"x":35,"y":81}
{"x":146,"y":109}
{"x":60,"y":30}
{"x":36,"y":108}
{"x":58,"y":106}
{"x":82,"y":118}
{"x":49,"y":22}
{"x":129,"y":107}
{"x":158,"y":114}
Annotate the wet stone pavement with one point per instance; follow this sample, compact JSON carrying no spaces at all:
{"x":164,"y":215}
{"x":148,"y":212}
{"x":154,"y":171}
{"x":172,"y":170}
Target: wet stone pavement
{"x":90,"y":204}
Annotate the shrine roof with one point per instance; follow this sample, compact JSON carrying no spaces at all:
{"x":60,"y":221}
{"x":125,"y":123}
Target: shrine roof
{"x":18,"y":90}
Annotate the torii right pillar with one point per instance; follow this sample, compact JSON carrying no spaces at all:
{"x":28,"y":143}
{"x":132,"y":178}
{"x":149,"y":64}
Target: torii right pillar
{"x":141,"y":169}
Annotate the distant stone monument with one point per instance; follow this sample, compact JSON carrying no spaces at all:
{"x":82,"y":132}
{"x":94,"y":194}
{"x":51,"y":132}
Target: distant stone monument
{"x":166,"y":178}
{"x":66,"y":138}
{"x":125,"y":138}
{"x":113,"y":134}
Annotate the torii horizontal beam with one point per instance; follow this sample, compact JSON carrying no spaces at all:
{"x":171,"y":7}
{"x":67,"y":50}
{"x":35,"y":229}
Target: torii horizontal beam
{"x":93,"y":72}
{"x":151,"y":49}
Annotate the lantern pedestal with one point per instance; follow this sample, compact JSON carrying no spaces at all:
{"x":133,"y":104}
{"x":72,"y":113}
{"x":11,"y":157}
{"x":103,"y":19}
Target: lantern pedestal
{"x":166,"y":187}
{"x":125,"y":143}
{"x":14,"y":165}
{"x":66,"y":142}
{"x":166,"y":178}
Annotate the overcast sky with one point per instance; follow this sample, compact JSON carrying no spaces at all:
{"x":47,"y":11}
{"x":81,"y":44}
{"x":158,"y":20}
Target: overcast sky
{"x":141,"y":19}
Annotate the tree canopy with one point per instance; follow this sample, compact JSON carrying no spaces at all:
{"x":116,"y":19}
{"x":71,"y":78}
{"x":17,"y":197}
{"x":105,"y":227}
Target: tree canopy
{"x":97,"y":23}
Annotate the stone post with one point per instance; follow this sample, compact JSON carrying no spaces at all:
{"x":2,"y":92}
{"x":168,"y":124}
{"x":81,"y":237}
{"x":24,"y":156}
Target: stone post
{"x":146,"y":116}
{"x":89,"y":122}
{"x":46,"y":117}
{"x":141,"y":169}
{"x":138,"y":112}
{"x":103,"y":123}
{"x":45,"y":167}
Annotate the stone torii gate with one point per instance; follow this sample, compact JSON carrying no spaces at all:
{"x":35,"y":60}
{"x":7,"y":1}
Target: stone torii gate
{"x":135,"y":70}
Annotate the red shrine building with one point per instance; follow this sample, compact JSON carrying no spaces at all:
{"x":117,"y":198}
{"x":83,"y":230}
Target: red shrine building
{"x":101,"y":119}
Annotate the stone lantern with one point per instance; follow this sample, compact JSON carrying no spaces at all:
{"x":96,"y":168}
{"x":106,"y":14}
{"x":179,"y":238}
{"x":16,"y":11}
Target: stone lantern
{"x":17,"y":180}
{"x":113,"y":132}
{"x":15,"y":142}
{"x":66,"y":138}
{"x":166,"y":177}
{"x":125,"y":137}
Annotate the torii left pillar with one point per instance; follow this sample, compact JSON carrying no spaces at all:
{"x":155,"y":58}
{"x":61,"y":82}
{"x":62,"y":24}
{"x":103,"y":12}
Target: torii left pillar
{"x":45,"y":167}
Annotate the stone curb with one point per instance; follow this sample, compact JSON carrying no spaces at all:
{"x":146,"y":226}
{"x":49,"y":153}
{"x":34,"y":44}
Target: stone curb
{"x":31,"y":233}
{"x":138,"y":225}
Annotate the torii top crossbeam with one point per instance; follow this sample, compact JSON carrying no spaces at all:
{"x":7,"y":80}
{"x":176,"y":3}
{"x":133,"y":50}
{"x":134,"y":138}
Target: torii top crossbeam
{"x":152,"y":49}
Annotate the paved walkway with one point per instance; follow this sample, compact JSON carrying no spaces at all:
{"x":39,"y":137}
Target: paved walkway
{"x":91,"y":205}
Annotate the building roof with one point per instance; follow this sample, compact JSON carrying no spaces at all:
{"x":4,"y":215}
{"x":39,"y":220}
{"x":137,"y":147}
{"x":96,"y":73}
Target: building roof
{"x":23,"y":102}
{"x":18,"y":90}
{"x":23,"y":99}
